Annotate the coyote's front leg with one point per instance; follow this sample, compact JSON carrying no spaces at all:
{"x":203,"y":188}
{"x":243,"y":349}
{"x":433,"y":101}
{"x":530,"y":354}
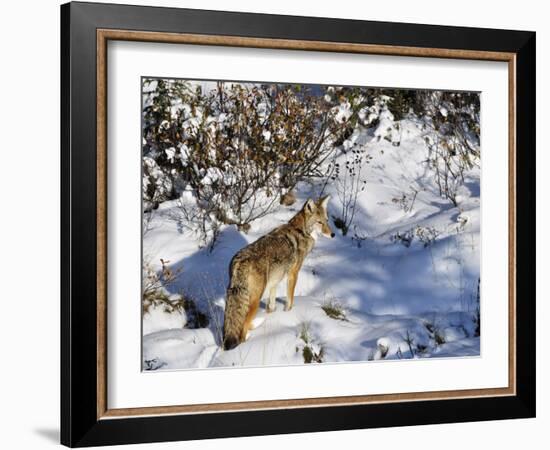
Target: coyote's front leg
{"x":292,"y":279}
{"x":270,"y":307}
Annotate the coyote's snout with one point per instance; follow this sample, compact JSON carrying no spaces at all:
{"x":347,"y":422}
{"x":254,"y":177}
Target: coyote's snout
{"x":262,"y":265}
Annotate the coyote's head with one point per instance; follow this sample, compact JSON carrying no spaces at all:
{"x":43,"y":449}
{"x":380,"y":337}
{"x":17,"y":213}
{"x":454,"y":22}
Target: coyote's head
{"x":316,"y":217}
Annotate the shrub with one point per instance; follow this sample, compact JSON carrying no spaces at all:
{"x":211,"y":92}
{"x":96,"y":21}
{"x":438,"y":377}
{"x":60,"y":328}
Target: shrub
{"x":406,"y":201}
{"x":153,"y":364}
{"x":237,"y":149}
{"x":349,"y":183}
{"x":451,"y":121}
{"x":311,"y":351}
{"x":334,"y":309}
{"x":426,"y":235}
{"x":155,"y":284}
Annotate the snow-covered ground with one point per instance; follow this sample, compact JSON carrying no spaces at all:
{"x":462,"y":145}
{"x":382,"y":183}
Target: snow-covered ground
{"x":373,"y":294}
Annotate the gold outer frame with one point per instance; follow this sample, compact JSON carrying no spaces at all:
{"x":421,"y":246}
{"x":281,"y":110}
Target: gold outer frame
{"x":104,"y":35}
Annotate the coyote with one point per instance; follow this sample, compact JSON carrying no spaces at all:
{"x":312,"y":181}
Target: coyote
{"x":260,"y":267}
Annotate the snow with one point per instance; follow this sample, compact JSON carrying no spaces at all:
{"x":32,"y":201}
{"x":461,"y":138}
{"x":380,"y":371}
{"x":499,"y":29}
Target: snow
{"x":391,"y":297}
{"x":158,"y":318}
{"x":213,"y":174}
{"x":184,"y":153}
{"x":342,"y":112}
{"x":170,"y":154}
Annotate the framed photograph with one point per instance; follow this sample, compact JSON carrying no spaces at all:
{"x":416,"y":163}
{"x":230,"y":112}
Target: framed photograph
{"x":277,"y":224}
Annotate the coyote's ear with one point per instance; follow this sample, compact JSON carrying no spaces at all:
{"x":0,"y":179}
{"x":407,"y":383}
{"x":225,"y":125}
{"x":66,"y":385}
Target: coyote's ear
{"x":323,"y":201}
{"x":309,"y":205}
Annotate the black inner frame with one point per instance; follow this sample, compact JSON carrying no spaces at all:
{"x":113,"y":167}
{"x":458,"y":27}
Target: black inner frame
{"x":79,"y":423}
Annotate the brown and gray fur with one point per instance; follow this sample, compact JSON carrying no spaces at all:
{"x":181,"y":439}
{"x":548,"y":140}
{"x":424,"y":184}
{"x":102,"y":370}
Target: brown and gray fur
{"x":262,"y":265}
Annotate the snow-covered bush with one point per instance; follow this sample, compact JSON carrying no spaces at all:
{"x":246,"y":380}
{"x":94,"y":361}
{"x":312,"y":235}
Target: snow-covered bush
{"x":348,"y":184}
{"x":425,"y":235}
{"x":231,"y":153}
{"x":451,"y":124}
{"x":153,"y":364}
{"x":401,"y":103}
{"x":196,"y":218}
{"x":406,"y":201}
{"x":359,"y":109}
{"x":165,"y":310}
{"x":403,"y":237}
{"x":160,"y":308}
{"x":312,"y":351}
{"x":238,"y":148}
{"x":387,"y":128}
{"x":334,"y":309}
{"x":163,"y":103}
{"x":157,"y":185}
{"x":155,"y":283}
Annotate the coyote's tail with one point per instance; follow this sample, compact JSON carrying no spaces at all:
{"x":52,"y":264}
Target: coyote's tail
{"x":236,"y":308}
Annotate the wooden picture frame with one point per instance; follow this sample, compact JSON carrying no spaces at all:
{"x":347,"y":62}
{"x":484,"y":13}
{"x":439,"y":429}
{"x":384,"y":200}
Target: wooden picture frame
{"x":86,"y":418}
